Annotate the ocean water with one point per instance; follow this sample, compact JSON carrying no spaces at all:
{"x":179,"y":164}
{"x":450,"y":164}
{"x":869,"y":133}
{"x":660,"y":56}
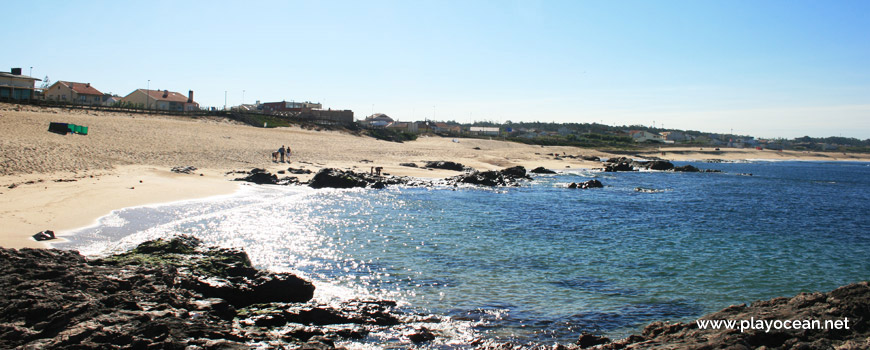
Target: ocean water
{"x":542,"y":262}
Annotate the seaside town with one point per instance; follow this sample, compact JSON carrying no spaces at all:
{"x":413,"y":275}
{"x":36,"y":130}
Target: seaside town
{"x":19,"y":88}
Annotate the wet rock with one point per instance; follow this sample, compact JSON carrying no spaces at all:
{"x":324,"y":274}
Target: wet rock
{"x":446,"y":165}
{"x":851,"y":301}
{"x":618,"y":164}
{"x":492,"y":178}
{"x":661,"y":165}
{"x":587,"y":340}
{"x":144,"y":298}
{"x":410,"y":165}
{"x":688,"y":168}
{"x":421,"y":335}
{"x":590,"y":184}
{"x":516,"y":172}
{"x":591,"y":158}
{"x":542,"y":170}
{"x":647,"y":190}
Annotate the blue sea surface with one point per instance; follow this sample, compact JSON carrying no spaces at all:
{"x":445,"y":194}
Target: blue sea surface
{"x":543,"y":262}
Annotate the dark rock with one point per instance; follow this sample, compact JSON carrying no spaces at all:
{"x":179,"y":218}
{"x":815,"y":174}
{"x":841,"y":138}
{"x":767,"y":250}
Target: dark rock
{"x":492,"y":178}
{"x":299,"y":171}
{"x":260,"y":177}
{"x":410,"y":165}
{"x":572,"y":185}
{"x":334,"y":178}
{"x":144,"y":299}
{"x":184,"y":169}
{"x":618,"y":164}
{"x":542,"y":170}
{"x":288,"y":180}
{"x":446,"y":165}
{"x":660,"y":165}
{"x":514,"y":172}
{"x":421,"y":335}
{"x":587,"y":340}
{"x":591,"y":158}
{"x":590,"y":184}
{"x":688,"y":168}
{"x":44,"y":235}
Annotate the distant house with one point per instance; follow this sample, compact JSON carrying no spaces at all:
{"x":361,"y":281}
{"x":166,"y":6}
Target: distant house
{"x":284,"y":106}
{"x":378,"y":120}
{"x":404,"y":126}
{"x":68,"y":91}
{"x":163,"y":100}
{"x":483,"y":130}
{"x":675,"y":136}
{"x":111,"y":100}
{"x":644,"y":136}
{"x":15,"y":86}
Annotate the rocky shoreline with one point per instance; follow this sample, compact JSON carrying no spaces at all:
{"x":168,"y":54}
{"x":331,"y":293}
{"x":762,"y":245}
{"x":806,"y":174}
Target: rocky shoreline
{"x":178,"y":294}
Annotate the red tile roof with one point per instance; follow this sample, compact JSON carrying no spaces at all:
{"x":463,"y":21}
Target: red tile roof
{"x":171,"y":96}
{"x":81,"y":88}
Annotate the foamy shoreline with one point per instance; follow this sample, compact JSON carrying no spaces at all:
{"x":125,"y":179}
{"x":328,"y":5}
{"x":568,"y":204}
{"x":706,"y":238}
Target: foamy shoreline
{"x":60,"y":183}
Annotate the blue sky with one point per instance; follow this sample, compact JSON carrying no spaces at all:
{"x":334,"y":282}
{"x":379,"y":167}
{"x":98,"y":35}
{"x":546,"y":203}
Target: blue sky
{"x":763,"y":68}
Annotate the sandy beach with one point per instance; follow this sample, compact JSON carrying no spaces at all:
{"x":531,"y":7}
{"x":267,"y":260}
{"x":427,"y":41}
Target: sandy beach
{"x":63,"y":182}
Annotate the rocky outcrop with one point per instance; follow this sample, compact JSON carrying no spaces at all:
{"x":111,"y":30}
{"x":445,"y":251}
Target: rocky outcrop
{"x":661,"y":165}
{"x":542,"y":170}
{"x":506,"y":177}
{"x":618,"y":164}
{"x":217,"y":273}
{"x":850,"y":302}
{"x":152,"y":297}
{"x":335,"y":178}
{"x":587,"y":184}
{"x":627,"y":164}
{"x":446,"y":165}
{"x":845,"y":306}
{"x":688,"y":168}
{"x":260,"y":177}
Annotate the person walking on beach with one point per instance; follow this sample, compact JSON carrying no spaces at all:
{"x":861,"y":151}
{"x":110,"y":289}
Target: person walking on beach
{"x":281,"y":152}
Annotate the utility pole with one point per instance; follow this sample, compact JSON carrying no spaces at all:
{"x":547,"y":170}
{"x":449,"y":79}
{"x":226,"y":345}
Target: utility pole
{"x":148,"y":96}
{"x":225,"y":99}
